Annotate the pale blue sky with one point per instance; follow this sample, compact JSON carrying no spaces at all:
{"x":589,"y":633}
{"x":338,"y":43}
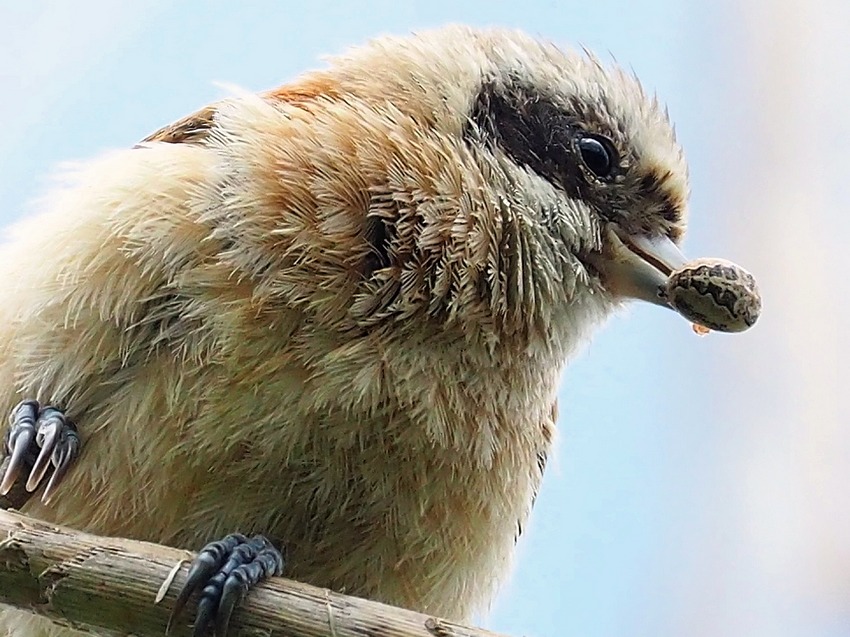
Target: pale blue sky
{"x":641,"y":527}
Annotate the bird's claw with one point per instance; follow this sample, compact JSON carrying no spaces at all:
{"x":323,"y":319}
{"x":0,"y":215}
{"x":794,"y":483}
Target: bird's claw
{"x":38,"y":439}
{"x":224,"y":571}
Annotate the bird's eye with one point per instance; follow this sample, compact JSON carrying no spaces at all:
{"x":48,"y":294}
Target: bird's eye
{"x":597,"y":156}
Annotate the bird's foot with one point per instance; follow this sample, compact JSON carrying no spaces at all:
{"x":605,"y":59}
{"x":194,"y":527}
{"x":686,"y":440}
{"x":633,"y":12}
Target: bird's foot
{"x":38,"y":439}
{"x":224,"y":571}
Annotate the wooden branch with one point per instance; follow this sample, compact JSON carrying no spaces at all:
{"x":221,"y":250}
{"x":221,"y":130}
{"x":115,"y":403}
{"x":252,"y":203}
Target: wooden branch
{"x":108,"y":586}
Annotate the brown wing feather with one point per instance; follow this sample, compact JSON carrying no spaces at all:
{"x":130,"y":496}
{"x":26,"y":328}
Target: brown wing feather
{"x":195,"y":128}
{"x":192,"y":129}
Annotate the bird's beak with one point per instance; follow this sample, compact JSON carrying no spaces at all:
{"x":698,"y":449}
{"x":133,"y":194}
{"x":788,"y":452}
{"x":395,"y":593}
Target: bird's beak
{"x":638,"y":266}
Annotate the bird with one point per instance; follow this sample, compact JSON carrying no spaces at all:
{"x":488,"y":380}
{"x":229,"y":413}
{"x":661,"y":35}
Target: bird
{"x":326,"y":322}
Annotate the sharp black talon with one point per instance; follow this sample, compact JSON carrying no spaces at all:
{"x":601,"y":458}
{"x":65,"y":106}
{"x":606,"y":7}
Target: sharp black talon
{"x":19,"y":443}
{"x":225,"y":571}
{"x":38,"y":440}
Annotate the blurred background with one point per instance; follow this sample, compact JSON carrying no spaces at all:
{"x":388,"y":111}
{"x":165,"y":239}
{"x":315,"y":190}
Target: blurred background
{"x":701,"y":486}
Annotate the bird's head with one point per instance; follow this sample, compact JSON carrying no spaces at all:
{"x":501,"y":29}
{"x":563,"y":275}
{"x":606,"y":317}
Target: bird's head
{"x":508,"y":187}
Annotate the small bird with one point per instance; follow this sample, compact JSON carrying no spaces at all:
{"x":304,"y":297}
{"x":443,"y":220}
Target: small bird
{"x":333,"y":316}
